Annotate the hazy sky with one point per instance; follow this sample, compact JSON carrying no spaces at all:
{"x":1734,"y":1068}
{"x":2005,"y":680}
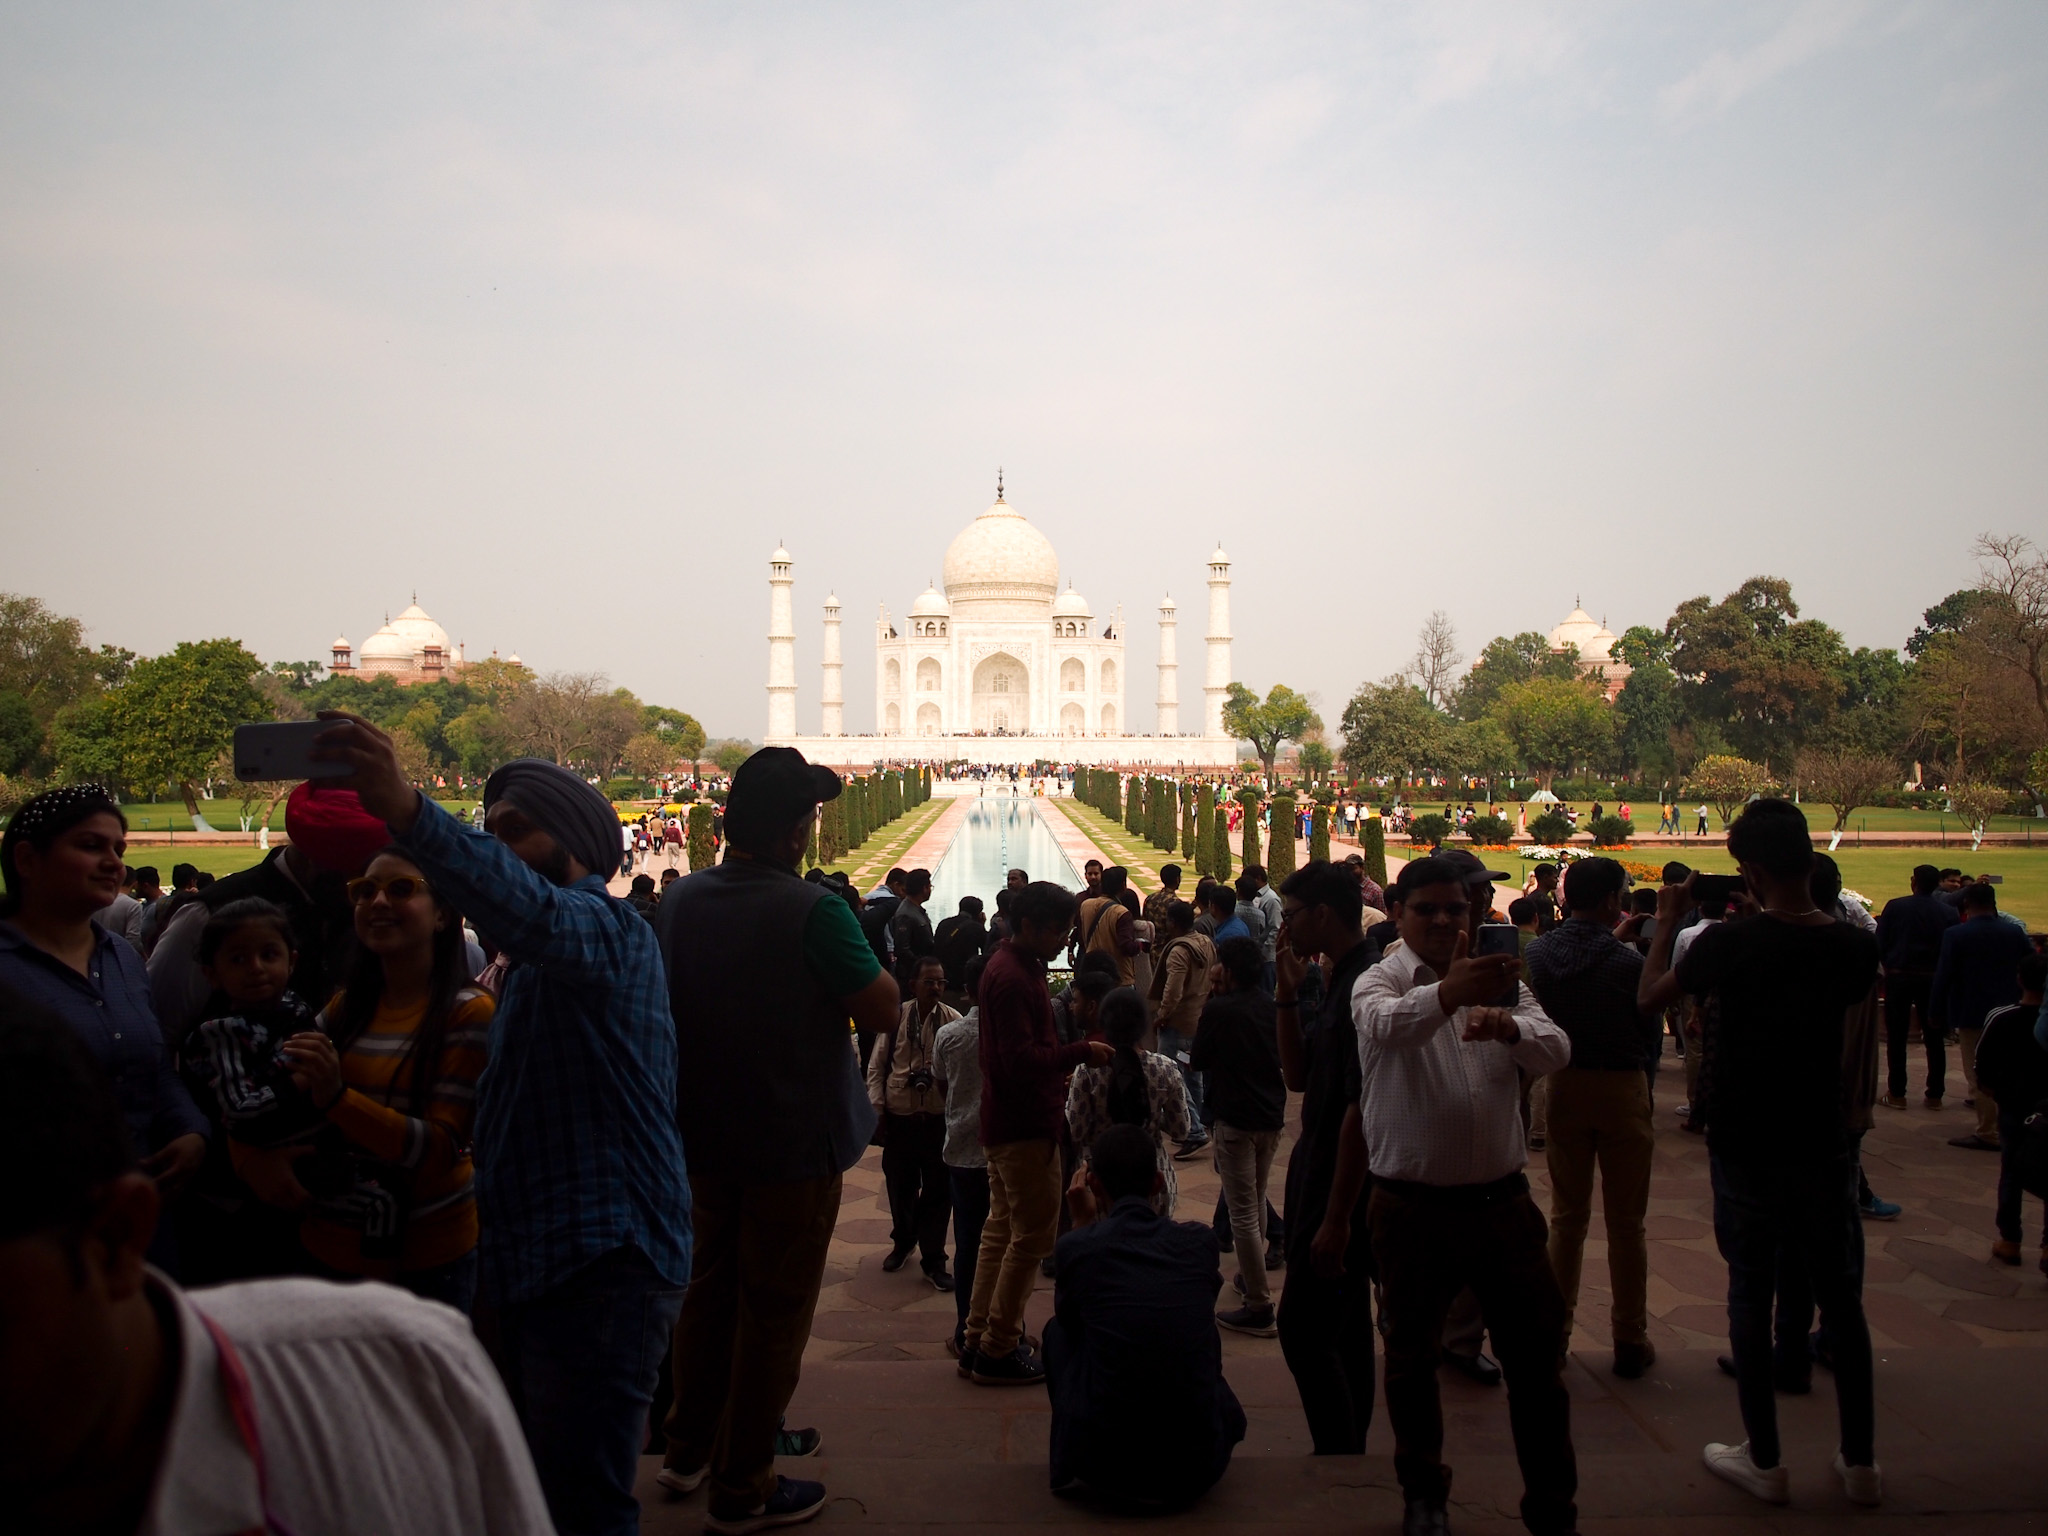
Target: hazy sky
{"x":563,"y":315}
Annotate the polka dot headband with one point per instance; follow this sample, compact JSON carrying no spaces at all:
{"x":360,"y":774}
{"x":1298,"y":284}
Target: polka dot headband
{"x":58,"y":807}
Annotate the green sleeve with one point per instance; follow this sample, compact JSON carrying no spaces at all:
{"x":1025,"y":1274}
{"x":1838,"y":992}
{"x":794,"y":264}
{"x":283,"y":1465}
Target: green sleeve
{"x":836,"y":950}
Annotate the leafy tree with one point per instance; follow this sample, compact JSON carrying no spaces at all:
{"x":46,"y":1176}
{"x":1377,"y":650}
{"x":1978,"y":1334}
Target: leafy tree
{"x":1870,"y":714}
{"x":1284,"y":716}
{"x":414,"y":761}
{"x":1729,"y":783}
{"x":479,"y":740}
{"x":298,"y":676}
{"x":1390,"y":730}
{"x":1950,"y":616}
{"x":1280,"y":855}
{"x":1316,"y":759}
{"x":21,"y":734}
{"x":1641,"y":646}
{"x":1844,"y":778}
{"x":1976,"y":803}
{"x":727,"y":755}
{"x":652,"y":754}
{"x":43,"y":656}
{"x":1749,"y":664}
{"x":1554,"y":723}
{"x":85,"y":745}
{"x":1646,"y":713}
{"x":175,"y":715}
{"x":1512,"y":659}
{"x":1482,"y":749}
{"x":684,"y":735}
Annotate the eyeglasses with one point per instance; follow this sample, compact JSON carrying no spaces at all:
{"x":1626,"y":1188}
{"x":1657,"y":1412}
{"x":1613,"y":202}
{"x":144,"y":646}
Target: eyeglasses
{"x":363,"y":889}
{"x":1434,"y":909}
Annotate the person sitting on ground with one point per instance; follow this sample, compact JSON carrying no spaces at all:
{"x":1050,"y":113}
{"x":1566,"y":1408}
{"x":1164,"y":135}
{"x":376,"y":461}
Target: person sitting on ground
{"x":129,"y":1404}
{"x":394,"y":1071}
{"x":1135,"y":1087}
{"x":1236,"y":1049}
{"x":1976,"y":973}
{"x":1141,"y":1414}
{"x":903,"y":1087}
{"x":2012,"y":1067}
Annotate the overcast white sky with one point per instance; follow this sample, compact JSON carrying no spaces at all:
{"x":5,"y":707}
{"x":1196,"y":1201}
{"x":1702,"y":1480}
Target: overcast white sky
{"x":563,"y":315}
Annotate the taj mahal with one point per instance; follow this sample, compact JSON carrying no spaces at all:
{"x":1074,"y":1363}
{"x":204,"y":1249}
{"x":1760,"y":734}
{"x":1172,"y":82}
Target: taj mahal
{"x":1002,"y":666}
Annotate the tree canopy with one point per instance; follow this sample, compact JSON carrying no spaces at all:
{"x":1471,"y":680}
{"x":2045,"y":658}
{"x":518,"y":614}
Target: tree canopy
{"x":1284,"y":715}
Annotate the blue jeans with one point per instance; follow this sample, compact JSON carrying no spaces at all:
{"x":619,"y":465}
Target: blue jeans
{"x":1801,"y":1217}
{"x":970,"y":1212}
{"x":1175,"y":1047}
{"x":579,"y":1363}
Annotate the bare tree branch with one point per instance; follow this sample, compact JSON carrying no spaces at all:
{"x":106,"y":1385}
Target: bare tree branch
{"x":1437,"y":658}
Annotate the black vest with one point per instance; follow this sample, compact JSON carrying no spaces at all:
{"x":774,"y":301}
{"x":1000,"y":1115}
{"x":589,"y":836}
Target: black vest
{"x":769,"y":1087}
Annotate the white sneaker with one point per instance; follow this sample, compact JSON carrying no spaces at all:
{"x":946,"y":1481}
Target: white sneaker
{"x":1864,"y":1485}
{"x":1771,"y":1484}
{"x":682,"y":1480}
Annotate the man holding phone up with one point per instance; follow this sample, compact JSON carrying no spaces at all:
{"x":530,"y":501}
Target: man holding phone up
{"x":1450,"y":1206}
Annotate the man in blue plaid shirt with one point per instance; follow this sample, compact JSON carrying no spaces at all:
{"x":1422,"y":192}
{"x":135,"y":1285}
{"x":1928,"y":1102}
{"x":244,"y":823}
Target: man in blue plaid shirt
{"x":582,"y":1200}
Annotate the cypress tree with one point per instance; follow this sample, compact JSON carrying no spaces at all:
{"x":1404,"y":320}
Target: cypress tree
{"x":1134,"y":812}
{"x":813,"y":854}
{"x":1319,"y":833}
{"x":1249,"y":799}
{"x":1205,"y":830}
{"x":1280,"y":857}
{"x":1187,"y":822}
{"x":856,"y":818}
{"x":1219,"y":850}
{"x":702,"y":854}
{"x":1376,"y":849}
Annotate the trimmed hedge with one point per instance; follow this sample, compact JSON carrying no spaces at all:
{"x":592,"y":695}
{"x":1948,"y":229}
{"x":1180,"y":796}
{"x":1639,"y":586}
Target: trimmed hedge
{"x":1375,"y":836}
{"x":1319,"y":832}
{"x":702,"y":854}
{"x":1280,"y":857}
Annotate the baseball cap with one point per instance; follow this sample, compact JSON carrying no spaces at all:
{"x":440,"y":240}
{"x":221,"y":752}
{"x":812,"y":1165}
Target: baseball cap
{"x":773,"y":788}
{"x":1469,"y":867}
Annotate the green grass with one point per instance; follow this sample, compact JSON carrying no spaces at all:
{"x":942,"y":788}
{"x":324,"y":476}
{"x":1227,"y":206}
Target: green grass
{"x":885,"y":847}
{"x":210,"y":858}
{"x":223,"y":814}
{"x":1819,"y":816}
{"x":1125,"y":847}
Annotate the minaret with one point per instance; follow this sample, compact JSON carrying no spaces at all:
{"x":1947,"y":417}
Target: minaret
{"x":834,"y":711}
{"x":1216,"y":686}
{"x":781,"y":650}
{"x":1169,"y":671}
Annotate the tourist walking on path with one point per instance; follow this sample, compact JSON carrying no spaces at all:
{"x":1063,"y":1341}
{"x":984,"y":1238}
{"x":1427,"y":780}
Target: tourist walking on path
{"x":132,"y":1404}
{"x":394,"y":1070}
{"x":1450,"y":1204}
{"x":1779,"y":984}
{"x":910,"y":929}
{"x":1325,"y":1315}
{"x":1978,"y":971}
{"x":1236,"y":1049}
{"x":583,"y":1208}
{"x":61,"y":859}
{"x":956,"y":1058}
{"x":2012,"y":1066}
{"x":1180,"y":987}
{"x":1024,"y":1069}
{"x":903,"y":1086}
{"x":1135,"y":1087}
{"x":764,"y":970}
{"x":1107,"y":927}
{"x":1909,"y":934}
{"x":1599,"y":1111}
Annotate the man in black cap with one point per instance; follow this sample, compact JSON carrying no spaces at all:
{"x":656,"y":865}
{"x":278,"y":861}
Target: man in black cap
{"x":764,"y":970}
{"x":582,"y":1202}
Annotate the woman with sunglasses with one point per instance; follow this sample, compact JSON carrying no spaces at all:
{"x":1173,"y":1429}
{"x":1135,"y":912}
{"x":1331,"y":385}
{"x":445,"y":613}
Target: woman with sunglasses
{"x":395,"y":1071}
{"x":62,"y":861}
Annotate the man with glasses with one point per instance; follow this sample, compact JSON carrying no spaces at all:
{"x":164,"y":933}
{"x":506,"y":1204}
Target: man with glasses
{"x":1443,"y":1038}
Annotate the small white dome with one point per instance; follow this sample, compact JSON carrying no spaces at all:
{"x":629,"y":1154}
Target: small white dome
{"x":514,"y":660}
{"x":1167,"y":605}
{"x":781,"y":556}
{"x":387,"y":645}
{"x":1577,"y":629}
{"x":1219,"y":558}
{"x":1071,"y":605}
{"x":340,"y":643}
{"x":931,"y":604}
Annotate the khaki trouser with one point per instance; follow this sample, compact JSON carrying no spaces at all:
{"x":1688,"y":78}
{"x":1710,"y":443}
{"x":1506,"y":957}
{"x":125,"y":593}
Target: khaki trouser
{"x":1987,"y":1107}
{"x":1601,"y":1117}
{"x":1244,"y":1162}
{"x":1023,"y":1219}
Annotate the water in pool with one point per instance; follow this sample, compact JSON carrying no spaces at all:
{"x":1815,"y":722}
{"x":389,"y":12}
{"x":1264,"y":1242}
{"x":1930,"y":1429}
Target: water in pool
{"x":1001,"y":832}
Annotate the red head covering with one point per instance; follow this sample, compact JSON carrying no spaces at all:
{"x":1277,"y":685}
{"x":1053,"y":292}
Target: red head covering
{"x":332,"y":829}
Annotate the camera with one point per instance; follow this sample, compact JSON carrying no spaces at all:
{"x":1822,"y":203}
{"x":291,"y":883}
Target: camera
{"x":920,"y":1081}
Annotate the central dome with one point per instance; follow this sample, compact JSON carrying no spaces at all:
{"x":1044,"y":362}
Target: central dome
{"x":999,"y":559}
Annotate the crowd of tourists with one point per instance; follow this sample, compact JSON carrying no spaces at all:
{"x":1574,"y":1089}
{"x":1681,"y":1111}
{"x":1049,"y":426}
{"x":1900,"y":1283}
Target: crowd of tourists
{"x":594,"y":1149}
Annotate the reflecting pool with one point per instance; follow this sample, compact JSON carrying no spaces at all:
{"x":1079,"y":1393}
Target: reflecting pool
{"x":1000,"y":832}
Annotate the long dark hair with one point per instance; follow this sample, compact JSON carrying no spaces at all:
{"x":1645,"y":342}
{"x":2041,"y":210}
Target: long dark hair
{"x":363,"y":990}
{"x":1121,"y":1017}
{"x":41,"y":821}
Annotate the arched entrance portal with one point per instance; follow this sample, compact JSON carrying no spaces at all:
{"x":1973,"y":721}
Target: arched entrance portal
{"x":1002,"y":695}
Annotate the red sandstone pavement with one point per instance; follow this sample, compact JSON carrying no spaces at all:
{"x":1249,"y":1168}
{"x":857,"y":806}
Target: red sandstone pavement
{"x":1961,"y":1373}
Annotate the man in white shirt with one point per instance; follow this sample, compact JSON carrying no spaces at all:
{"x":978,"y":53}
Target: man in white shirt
{"x":127,"y":1405}
{"x":1441,"y":1061}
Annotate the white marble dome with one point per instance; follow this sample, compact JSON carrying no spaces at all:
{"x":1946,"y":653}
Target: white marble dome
{"x":1071,"y":605}
{"x":418,"y":631}
{"x":931,"y":604}
{"x":1580,"y":629}
{"x":1000,"y":560}
{"x":387,"y":646}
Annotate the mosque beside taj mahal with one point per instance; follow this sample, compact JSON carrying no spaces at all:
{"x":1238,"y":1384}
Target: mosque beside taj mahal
{"x":1003,"y":667}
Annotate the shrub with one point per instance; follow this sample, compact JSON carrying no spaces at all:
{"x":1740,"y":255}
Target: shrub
{"x":1249,"y":799}
{"x":1280,"y":857}
{"x":1219,"y":845}
{"x":1610,"y":831}
{"x":1187,"y":823}
{"x":702,"y":854}
{"x":1376,"y":849}
{"x":1553,"y":829}
{"x":1319,"y":832}
{"x":1491,"y":830}
{"x":1428,"y":831}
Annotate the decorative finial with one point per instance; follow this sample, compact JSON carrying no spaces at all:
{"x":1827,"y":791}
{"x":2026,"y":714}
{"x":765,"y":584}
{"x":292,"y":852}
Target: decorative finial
{"x":999,"y":482}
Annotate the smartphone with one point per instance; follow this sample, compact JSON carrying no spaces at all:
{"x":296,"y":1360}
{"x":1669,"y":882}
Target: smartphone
{"x":1501,"y":939}
{"x":1716,"y":887}
{"x":1647,"y":930}
{"x":282,"y":750}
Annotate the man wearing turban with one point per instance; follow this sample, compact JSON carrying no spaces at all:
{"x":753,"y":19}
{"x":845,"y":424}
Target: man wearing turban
{"x":583,"y":1204}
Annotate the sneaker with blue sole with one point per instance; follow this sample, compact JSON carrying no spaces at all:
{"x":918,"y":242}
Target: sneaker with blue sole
{"x":792,"y":1503}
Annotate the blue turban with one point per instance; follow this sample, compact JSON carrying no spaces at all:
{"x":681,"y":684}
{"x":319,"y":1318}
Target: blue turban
{"x":563,"y":806}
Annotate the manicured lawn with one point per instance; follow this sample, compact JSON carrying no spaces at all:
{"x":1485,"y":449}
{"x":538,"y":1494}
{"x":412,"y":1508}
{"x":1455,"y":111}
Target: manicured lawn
{"x":210,"y":858}
{"x":223,"y":814}
{"x":1820,"y":817}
